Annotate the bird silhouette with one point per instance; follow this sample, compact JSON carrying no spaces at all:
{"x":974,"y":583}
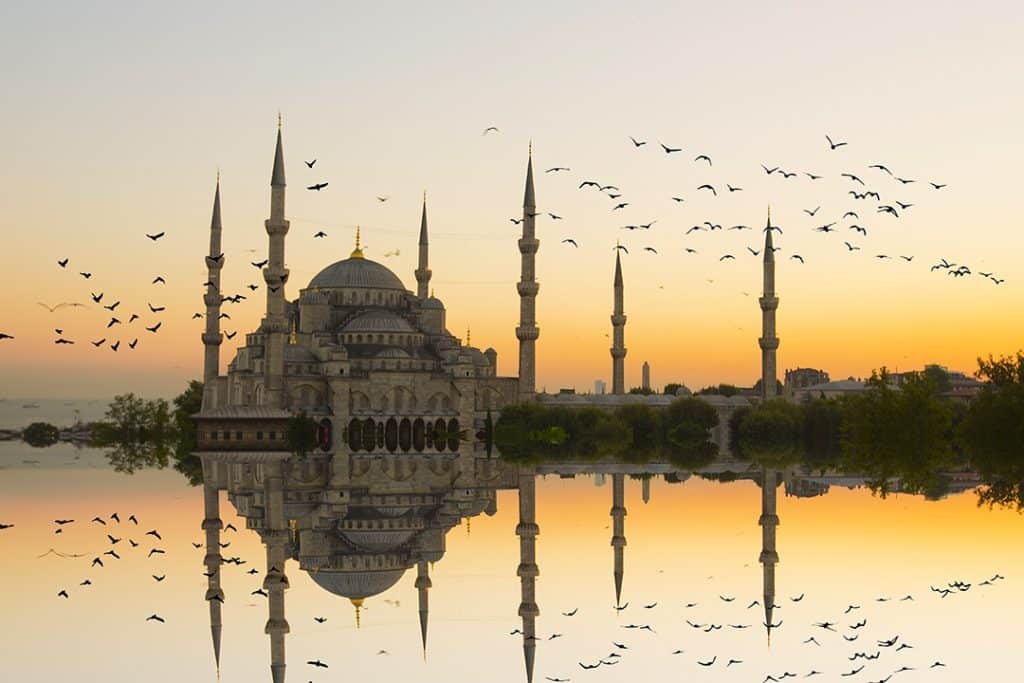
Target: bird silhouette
{"x":798,"y":257}
{"x":852,"y":177}
{"x":769,"y":171}
{"x":86,"y":275}
{"x":620,"y":206}
{"x":317,"y":186}
{"x":937,"y":186}
{"x":834,"y":145}
{"x":703,"y":157}
{"x":670,"y":150}
{"x":638,"y":143}
{"x":309,"y":164}
{"x":260,"y":264}
{"x":156,"y":236}
{"x":570,"y":241}
{"x":725,"y":257}
{"x":490,"y":129}
{"x":154,"y":328}
{"x":159,"y":578}
{"x":556,"y":169}
{"x":63,"y":594}
{"x":159,"y":280}
{"x":320,"y":233}
{"x":651,"y":249}
{"x":708,"y":187}
{"x":811,"y":212}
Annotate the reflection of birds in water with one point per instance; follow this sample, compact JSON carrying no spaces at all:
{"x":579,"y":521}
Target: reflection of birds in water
{"x":490,"y":129}
{"x":319,"y":620}
{"x":64,"y":304}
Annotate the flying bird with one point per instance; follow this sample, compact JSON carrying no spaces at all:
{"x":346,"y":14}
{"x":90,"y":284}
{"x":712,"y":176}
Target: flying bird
{"x":317,"y":186}
{"x":708,"y":187}
{"x":156,"y":236}
{"x":159,"y":280}
{"x":154,"y":328}
{"x":63,"y":263}
{"x":490,"y":129}
{"x":705,"y":157}
{"x":570,"y":241}
{"x":798,"y":257}
{"x":834,"y":145}
{"x":670,"y":150}
{"x":638,"y":143}
{"x":321,"y":233}
{"x":556,"y":169}
{"x":309,"y":164}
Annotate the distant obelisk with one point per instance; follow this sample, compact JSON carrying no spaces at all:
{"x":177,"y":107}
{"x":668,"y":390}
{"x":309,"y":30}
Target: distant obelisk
{"x":527,"y":332}
{"x":769,"y":303}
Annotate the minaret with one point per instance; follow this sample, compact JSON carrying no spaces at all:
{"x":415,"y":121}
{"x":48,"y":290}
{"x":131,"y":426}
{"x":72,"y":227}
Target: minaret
{"x":769,"y":558}
{"x":212,"y":525}
{"x":527,"y":530}
{"x":423,"y":584}
{"x":645,"y":489}
{"x":423,"y":270}
{"x":618,"y":334}
{"x":618,"y":513}
{"x":275,"y":324}
{"x":214,"y":262}
{"x":527,"y":331}
{"x":645,"y":376}
{"x":769,"y":302}
{"x":276,"y":535}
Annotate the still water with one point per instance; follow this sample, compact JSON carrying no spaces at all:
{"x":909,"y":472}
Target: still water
{"x":416,"y":555}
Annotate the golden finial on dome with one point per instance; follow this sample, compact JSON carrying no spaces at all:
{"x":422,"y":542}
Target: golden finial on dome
{"x":357,"y":603}
{"x":357,"y":252}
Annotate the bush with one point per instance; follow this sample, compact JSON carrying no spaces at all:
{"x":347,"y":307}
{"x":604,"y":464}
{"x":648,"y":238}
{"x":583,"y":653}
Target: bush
{"x":40,"y":434}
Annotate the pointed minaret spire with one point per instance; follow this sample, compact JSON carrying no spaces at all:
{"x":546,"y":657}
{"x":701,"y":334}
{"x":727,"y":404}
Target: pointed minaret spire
{"x":276,"y":535}
{"x":423,"y":584}
{"x":275,"y":275}
{"x":527,"y":530}
{"x":211,"y":336}
{"x":618,"y":513}
{"x":527,"y":331}
{"x":768,"y":521}
{"x":423,"y":269}
{"x":212,"y":525}
{"x":769,"y":303}
{"x":618,"y":349}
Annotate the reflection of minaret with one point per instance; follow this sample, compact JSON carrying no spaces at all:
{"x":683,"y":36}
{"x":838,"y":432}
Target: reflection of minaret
{"x":769,"y":558}
{"x":618,"y":349}
{"x":276,"y":535}
{"x":214,"y":262}
{"x":423,"y":584}
{"x":618,"y":513}
{"x":274,"y":324}
{"x":423,"y":270}
{"x":527,"y":531}
{"x":527,"y":332}
{"x":212,"y":525}
{"x":645,"y":489}
{"x":769,"y":302}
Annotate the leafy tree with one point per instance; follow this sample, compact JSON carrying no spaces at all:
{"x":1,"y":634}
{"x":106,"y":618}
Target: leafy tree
{"x":642,"y":391}
{"x":771,"y":433}
{"x":822,"y":431}
{"x":939,"y":378}
{"x":672,"y":387}
{"x":890,"y":433}
{"x":187,"y":404}
{"x":40,"y":434}
{"x":720,"y":390}
{"x":644,"y":424}
{"x":992,"y":430}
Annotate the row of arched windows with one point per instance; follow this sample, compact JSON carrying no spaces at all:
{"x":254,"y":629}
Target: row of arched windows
{"x":390,"y":339}
{"x":417,"y":435}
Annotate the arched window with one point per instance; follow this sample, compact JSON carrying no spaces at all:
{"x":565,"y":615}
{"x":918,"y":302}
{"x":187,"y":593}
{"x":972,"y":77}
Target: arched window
{"x":419,"y":436}
{"x":355,"y":434}
{"x":453,"y":435}
{"x":391,"y":435}
{"x":369,"y":434}
{"x":405,"y":434}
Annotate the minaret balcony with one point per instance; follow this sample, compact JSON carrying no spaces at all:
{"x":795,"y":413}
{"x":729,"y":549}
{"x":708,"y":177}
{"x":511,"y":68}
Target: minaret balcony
{"x":529,"y":609}
{"x":275,"y":228}
{"x":528,"y":570}
{"x":527,"y":333}
{"x":618,"y":319}
{"x":768,"y":557}
{"x":768,"y":344}
{"x":212,"y":339}
{"x":769,"y":303}
{"x":768,"y":519}
{"x":527,"y":529}
{"x":618,"y":353}
{"x":528,"y":245}
{"x":277,"y":625}
{"x":528,"y":288}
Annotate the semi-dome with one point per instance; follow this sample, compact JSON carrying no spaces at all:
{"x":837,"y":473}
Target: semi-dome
{"x":393,"y":352}
{"x":359,"y":584}
{"x":378,"y":540}
{"x":433,"y":302}
{"x":356,"y":272}
{"x":377,"y":321}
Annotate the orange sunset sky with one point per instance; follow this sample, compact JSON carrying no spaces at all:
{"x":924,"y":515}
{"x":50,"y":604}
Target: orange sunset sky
{"x":117,"y":121}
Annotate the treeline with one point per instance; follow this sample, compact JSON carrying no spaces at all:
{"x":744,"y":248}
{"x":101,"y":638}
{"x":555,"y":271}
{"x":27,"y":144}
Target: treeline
{"x":634,"y":433}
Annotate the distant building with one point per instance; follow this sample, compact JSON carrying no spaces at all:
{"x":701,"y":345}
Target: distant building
{"x":645,"y":376}
{"x":801,"y":378}
{"x":599,"y":386}
{"x":829,"y":390}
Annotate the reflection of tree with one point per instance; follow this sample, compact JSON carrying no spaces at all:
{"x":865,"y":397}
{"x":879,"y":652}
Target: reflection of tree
{"x":992,"y":431}
{"x":40,"y":435}
{"x":770,"y":433}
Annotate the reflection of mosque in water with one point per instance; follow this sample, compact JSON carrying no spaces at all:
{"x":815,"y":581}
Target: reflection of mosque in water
{"x":357,"y":530}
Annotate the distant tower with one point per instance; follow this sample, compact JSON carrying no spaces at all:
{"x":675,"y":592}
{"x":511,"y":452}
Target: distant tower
{"x":527,"y":530}
{"x":214,"y":262}
{"x":599,"y":386}
{"x":212,"y":525}
{"x":618,"y":334}
{"x":275,"y":324}
{"x":527,"y":331}
{"x":276,"y":535}
{"x":769,"y":302}
{"x":645,"y":375}
{"x":423,"y":584}
{"x":423,"y":270}
{"x":769,"y":558}
{"x":618,"y":513}
{"x":645,"y":490}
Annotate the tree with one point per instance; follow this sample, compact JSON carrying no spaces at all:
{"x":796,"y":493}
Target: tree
{"x":187,"y":404}
{"x":720,"y":390}
{"x":644,"y":391}
{"x":672,"y":387}
{"x":992,"y":431}
{"x":40,"y":434}
{"x":939,"y":377}
{"x":770,"y":433}
{"x":822,"y":431}
{"x":890,"y":434}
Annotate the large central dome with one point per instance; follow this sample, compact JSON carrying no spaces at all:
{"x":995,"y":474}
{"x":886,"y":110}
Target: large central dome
{"x":357,"y":272}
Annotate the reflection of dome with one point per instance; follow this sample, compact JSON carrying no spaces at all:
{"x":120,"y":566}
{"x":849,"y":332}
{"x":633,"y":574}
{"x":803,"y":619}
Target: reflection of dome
{"x":357,"y":585}
{"x":377,"y":321}
{"x":378,"y":540}
{"x":357,"y":272}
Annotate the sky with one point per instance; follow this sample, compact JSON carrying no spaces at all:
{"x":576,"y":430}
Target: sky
{"x":118,"y":118}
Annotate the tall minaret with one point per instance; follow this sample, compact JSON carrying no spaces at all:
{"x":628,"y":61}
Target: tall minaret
{"x":212,"y":525}
{"x":769,"y":302}
{"x":275,"y":324}
{"x":527,"y":530}
{"x":423,"y":584}
{"x":214,"y":262}
{"x":769,"y":558}
{"x":423,"y":270}
{"x":618,"y":513}
{"x":527,"y":331}
{"x":618,"y":333}
{"x":276,"y":535}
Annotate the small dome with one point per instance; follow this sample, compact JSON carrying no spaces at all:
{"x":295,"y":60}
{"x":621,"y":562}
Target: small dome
{"x":356,"y":272}
{"x":378,"y":540}
{"x":433,"y":302}
{"x":357,"y":585}
{"x":377,"y":321}
{"x":683,"y":391}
